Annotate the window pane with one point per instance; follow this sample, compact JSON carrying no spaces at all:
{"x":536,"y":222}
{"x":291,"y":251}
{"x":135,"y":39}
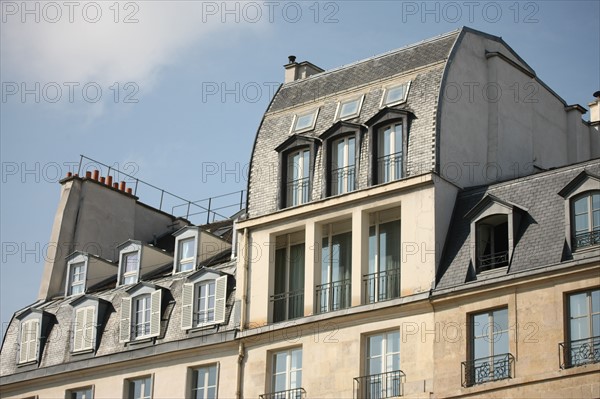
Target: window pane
{"x":389,"y":246}
{"x":295,"y":379}
{"x":296,"y":359}
{"x":212,"y":375}
{"x":579,"y":328}
{"x":596,"y":201}
{"x":393,"y":342}
{"x":596,"y":325}
{"x":578,"y":305}
{"x":131,"y":261}
{"x":395,"y":94}
{"x":375,"y":365}
{"x":501,"y":343}
{"x":280,"y":271}
{"x":481,"y":347}
{"x":280,"y":362}
{"x":296,"y":267}
{"x":581,"y":223}
{"x":500,"y":320}
{"x":349,"y":108}
{"x":596,"y":218}
{"x":375,"y":343}
{"x":372,"y":249}
{"x":581,"y":205}
{"x":304,"y":121}
{"x":186,"y":249}
{"x":398,"y":138}
{"x":596,"y":301}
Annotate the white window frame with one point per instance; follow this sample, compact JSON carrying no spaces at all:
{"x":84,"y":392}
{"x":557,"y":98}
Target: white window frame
{"x":587,"y":196}
{"x":195,"y":386}
{"x":385,"y":337}
{"x":128,"y":322}
{"x":340,"y":106}
{"x":348,"y":161}
{"x":129,"y":383}
{"x":190,"y":301}
{"x":301,"y":197}
{"x":73,"y":261}
{"x":29,"y":340}
{"x":141,"y":316}
{"x":386,"y":103}
{"x":288,"y":369}
{"x":297,"y":117}
{"x":84,"y":328}
{"x":206,"y":309}
{"x":88,"y":393}
{"x":189,"y":260}
{"x":125,"y":275}
{"x":81,"y":281}
{"x":393,"y":154}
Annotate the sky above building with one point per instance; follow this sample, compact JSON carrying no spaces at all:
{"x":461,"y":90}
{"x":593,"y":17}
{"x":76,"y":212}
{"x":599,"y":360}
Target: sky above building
{"x":173,"y":92}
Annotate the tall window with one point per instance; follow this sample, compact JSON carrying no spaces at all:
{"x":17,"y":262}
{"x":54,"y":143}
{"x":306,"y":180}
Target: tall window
{"x":288,"y":298}
{"x":490,"y":357}
{"x":28,"y":344}
{"x":336,"y":264}
{"x":287,"y":373}
{"x":185,"y":255}
{"x":77,"y":278}
{"x":343,"y":171}
{"x":492,"y":242}
{"x":80,"y":393}
{"x":298,"y":178}
{"x":586,"y":217}
{"x":129,"y":267}
{"x":383,"y":281}
{"x":383,"y":376}
{"x":140,"y":388}
{"x":584,"y":328}
{"x":204,"y":382}
{"x":142,"y":316}
{"x":389,"y":153}
{"x":205,"y":303}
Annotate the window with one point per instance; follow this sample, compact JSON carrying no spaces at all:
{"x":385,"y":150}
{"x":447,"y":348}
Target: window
{"x":395,"y":95}
{"x":288,"y":298}
{"x":298,"y":177}
{"x":586,"y":217}
{"x":343,"y":161}
{"x":389,"y":153}
{"x":140,"y":313}
{"x":203,"y":300}
{"x":336,"y":264}
{"x":492,"y":242}
{"x":84,"y":328}
{"x":204,"y":382}
{"x":129,"y":267}
{"x":185,"y":256}
{"x":349,"y":109}
{"x":490,"y":359}
{"x":80,"y":393}
{"x":29,"y":342}
{"x":76,"y":278}
{"x":383,"y":281}
{"x":383,"y":377}
{"x":140,"y":388}
{"x":583,"y":344}
{"x":286,"y":374}
{"x":305,"y":122}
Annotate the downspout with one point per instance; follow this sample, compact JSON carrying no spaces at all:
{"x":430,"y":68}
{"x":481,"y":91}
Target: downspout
{"x":241,"y":349}
{"x":240,"y":370}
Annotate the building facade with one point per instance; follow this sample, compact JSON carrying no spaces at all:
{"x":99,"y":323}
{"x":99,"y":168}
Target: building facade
{"x":424,"y":223}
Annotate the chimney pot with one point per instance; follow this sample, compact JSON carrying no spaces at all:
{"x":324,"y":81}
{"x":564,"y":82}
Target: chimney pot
{"x":292,"y":59}
{"x":88,"y":175}
{"x":96,"y":174}
{"x":129,"y":191}
{"x":69,"y":174}
{"x":122,"y":187}
{"x":102,"y":180}
{"x":597,"y":94}
{"x":109,"y":180}
{"x":116,"y":185}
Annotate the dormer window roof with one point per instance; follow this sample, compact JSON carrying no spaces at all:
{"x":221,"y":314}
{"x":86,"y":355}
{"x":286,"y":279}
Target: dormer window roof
{"x":194,"y":245}
{"x":85,"y":270}
{"x":137,"y":259}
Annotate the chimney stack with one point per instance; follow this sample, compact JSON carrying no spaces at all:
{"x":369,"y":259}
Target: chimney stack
{"x":595,"y":108}
{"x":296,"y":71}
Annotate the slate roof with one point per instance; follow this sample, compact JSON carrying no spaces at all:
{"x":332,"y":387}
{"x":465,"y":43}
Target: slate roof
{"x":540,"y":239}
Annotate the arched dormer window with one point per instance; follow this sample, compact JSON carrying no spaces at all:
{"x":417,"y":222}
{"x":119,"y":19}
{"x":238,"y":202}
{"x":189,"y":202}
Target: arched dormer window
{"x":204,"y":297}
{"x":296,"y":160}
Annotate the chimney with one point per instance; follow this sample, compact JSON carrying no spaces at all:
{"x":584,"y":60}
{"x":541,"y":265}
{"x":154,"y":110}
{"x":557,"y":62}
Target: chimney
{"x":296,"y":71}
{"x":595,"y":108}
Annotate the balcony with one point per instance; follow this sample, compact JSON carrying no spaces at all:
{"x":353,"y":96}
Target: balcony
{"x":487,"y":369}
{"x":382,"y":286}
{"x":579,"y":352}
{"x":379,"y":386}
{"x":389,"y":167}
{"x":587,"y":239}
{"x":288,"y":305}
{"x":295,"y":393}
{"x":491,"y":261}
{"x":333,"y":296}
{"x":342,"y":180}
{"x":298,"y":192}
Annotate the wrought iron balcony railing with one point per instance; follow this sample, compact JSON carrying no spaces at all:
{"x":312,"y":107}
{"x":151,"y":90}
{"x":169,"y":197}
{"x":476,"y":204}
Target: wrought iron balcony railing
{"x":579,"y":352}
{"x":382,"y":286}
{"x":586,"y":239}
{"x":389,"y":167}
{"x":342,"y":180}
{"x":491,"y":261}
{"x":298,"y":192}
{"x":288,"y":305}
{"x":487,"y":369}
{"x":333,"y":296}
{"x":295,"y":393}
{"x":380,"y":386}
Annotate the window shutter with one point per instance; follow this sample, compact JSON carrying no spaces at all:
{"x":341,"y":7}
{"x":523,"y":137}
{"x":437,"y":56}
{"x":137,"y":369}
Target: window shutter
{"x":89,"y":328}
{"x":155,"y":312}
{"x":187,"y":307}
{"x":78,"y":330}
{"x":24,"y":344}
{"x":33,"y":341}
{"x":220,"y":299}
{"x":125,"y":324}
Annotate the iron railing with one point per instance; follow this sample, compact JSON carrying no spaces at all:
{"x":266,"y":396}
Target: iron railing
{"x":380,"y":386}
{"x":201,"y":211}
{"x":342,"y":180}
{"x":389,"y":167}
{"x":288,"y":305}
{"x":587,"y":239}
{"x":294,"y":393}
{"x":382,"y":286}
{"x":333,"y":296}
{"x":579,"y":352}
{"x":491,"y":261}
{"x":487,"y":369}
{"x":298,"y":192}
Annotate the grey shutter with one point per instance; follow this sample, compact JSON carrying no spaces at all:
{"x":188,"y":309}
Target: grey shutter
{"x":23,"y":343}
{"x":220,"y":299}
{"x":78,"y":330}
{"x":33,"y":341}
{"x":155,"y":312}
{"x":89,"y":328}
{"x":187,"y":306}
{"x":125,"y":323}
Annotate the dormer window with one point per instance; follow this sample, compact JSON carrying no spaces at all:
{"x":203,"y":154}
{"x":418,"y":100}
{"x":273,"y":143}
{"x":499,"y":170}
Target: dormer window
{"x":76,"y":278}
{"x":389,"y":153}
{"x":305,"y":122}
{"x":349,"y":109}
{"x":492,"y":242}
{"x":395,"y":95}
{"x":87,"y":313}
{"x":84,"y":270}
{"x":186,"y":254}
{"x":586,"y":219}
{"x":141,"y":312}
{"x":343,"y":170}
{"x":204,"y":299}
{"x":34,"y":328}
{"x":129,"y":267}
{"x":298,"y":177}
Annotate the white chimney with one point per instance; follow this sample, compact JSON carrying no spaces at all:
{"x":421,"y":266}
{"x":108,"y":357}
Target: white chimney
{"x":297,"y":71}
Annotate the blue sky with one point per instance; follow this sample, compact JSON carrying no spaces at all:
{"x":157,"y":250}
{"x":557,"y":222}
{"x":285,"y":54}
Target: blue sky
{"x":173,"y":92}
